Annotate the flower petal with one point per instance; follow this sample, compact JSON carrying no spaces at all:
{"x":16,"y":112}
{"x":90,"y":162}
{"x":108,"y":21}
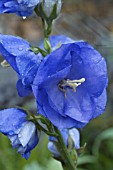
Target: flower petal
{"x":21,"y":8}
{"x":23,"y":90}
{"x":26,"y":132}
{"x":79,"y":105}
{"x":100,"y":103}
{"x":11,"y":120}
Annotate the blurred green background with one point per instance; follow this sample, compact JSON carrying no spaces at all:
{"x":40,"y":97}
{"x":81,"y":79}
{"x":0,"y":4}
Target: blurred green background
{"x":91,"y":20}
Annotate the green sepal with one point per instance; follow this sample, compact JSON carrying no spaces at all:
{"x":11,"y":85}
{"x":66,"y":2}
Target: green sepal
{"x":53,"y":13}
{"x":47,"y":45}
{"x":81,"y":149}
{"x":74,"y":155}
{"x":40,"y":12}
{"x":70,"y":143}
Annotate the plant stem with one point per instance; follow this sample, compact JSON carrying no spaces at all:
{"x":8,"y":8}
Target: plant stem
{"x":39,"y":127}
{"x":68,"y":163}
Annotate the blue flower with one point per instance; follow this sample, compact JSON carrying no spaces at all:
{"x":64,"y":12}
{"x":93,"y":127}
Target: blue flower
{"x":70,"y":85}
{"x":16,"y":52}
{"x":21,"y":132}
{"x":73,"y":133}
{"x":20,"y":7}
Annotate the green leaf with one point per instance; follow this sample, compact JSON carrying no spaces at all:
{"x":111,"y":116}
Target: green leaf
{"x":33,"y":166}
{"x":86,"y":159}
{"x":105,"y":135}
{"x":54,"y":165}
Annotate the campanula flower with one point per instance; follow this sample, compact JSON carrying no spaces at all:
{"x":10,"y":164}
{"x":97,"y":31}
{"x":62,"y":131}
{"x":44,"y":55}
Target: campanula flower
{"x":70,"y":85}
{"x":22,"y":8}
{"x":21,"y":132}
{"x":66,"y":134}
{"x":17,"y":53}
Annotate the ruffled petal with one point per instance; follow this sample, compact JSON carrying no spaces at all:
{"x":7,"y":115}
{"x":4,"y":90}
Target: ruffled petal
{"x":11,"y":120}
{"x":100,"y":103}
{"x":55,"y":62}
{"x":16,"y":52}
{"x":89,"y":64}
{"x":22,"y":89}
{"x":79,"y":105}
{"x":11,"y":47}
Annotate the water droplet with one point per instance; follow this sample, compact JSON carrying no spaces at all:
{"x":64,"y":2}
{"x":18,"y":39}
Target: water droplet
{"x":20,"y":49}
{"x":19,"y":135}
{"x":24,"y":17}
{"x":11,"y":133}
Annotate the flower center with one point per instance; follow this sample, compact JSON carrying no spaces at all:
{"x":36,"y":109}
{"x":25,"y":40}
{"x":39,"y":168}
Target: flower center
{"x":63,"y":84}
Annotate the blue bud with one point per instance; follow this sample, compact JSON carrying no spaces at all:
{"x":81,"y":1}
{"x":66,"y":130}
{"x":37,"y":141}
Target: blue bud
{"x":21,"y":132}
{"x":66,"y":134}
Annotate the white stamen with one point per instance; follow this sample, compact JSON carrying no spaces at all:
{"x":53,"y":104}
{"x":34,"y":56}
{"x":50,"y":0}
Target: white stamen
{"x":70,"y":83}
{"x":77,"y":81}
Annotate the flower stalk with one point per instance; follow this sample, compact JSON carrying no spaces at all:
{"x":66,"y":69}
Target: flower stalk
{"x":68,"y":163}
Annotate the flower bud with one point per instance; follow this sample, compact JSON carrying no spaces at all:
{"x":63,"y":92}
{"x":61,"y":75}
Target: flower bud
{"x":49,"y":9}
{"x":49,"y":6}
{"x":21,"y":132}
{"x":71,"y":138}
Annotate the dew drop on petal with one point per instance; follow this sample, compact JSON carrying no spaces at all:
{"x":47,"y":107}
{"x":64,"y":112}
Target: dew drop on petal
{"x":19,"y":135}
{"x":20,"y":49}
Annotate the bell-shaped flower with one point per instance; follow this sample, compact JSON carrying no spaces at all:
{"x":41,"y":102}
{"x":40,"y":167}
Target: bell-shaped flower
{"x":66,"y":134}
{"x":21,"y":132}
{"x":17,"y":53}
{"x":22,"y":8}
{"x":70,"y":85}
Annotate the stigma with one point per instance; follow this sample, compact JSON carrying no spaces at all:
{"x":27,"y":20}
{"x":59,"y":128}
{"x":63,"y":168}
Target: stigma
{"x":73,"y":84}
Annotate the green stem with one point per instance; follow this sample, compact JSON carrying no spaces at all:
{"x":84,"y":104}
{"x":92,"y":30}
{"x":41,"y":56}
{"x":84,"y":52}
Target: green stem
{"x":68,"y":162}
{"x":44,"y":27}
{"x":39,"y":127}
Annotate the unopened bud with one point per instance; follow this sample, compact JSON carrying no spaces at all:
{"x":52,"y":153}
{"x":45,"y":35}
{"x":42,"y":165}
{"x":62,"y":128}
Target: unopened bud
{"x":49,"y":5}
{"x":49,"y":9}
